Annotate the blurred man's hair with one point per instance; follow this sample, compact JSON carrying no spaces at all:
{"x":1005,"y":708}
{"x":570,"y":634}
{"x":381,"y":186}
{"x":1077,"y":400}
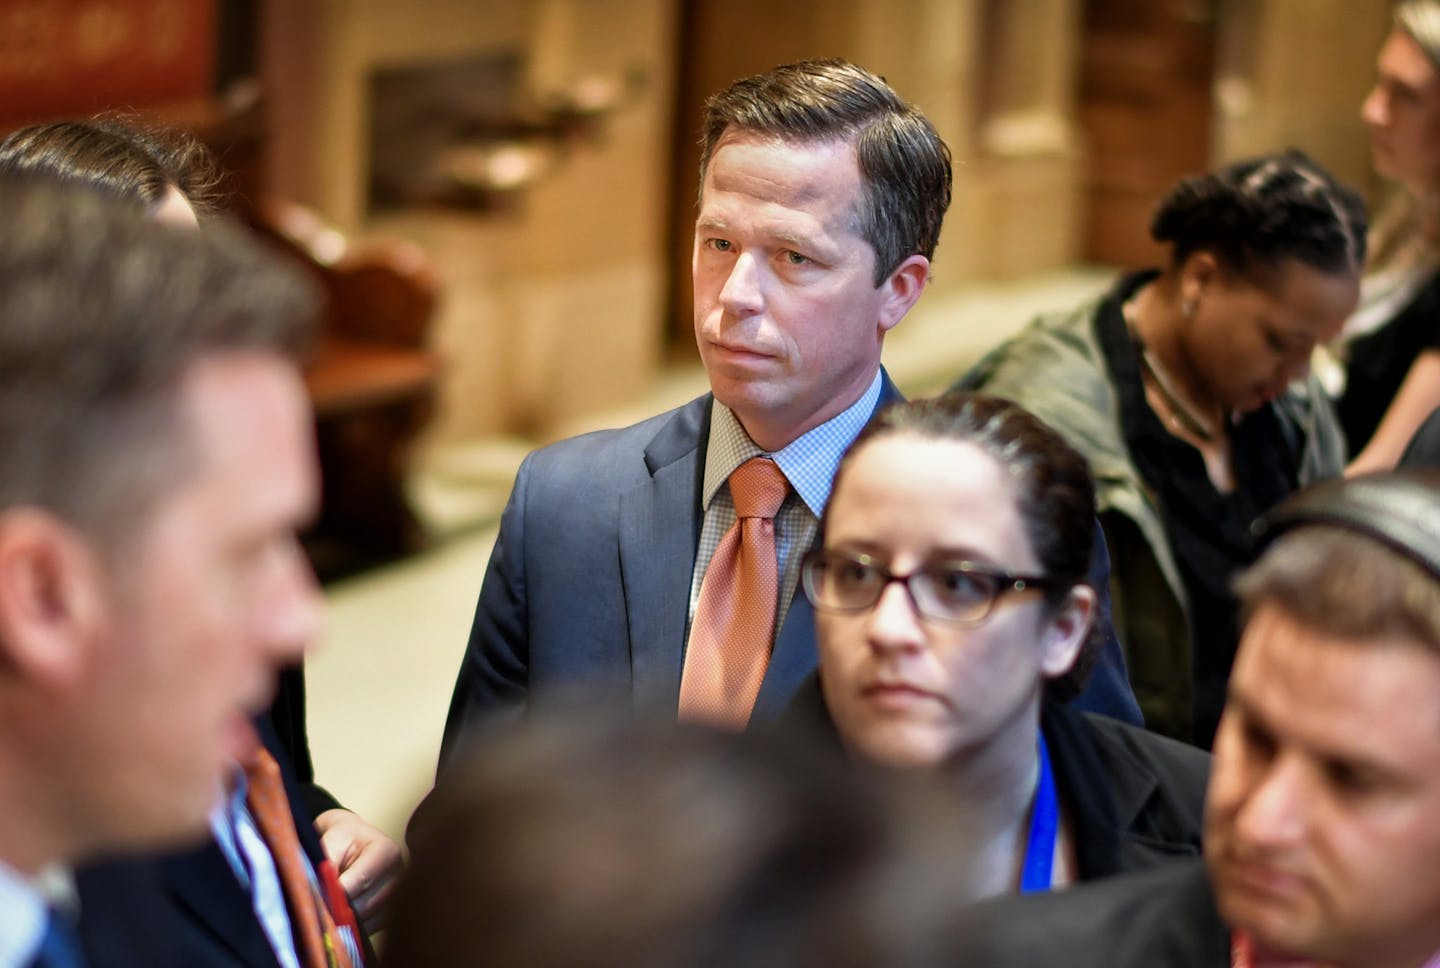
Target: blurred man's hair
{"x":598,"y":842}
{"x":102,"y":312}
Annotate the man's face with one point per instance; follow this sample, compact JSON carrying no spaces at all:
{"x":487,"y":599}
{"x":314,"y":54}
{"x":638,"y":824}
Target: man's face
{"x":787,"y":314}
{"x":1403,"y":113}
{"x":1322,"y":827}
{"x":200,"y":605}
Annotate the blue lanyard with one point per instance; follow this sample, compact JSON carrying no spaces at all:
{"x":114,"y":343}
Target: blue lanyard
{"x":1044,"y":824}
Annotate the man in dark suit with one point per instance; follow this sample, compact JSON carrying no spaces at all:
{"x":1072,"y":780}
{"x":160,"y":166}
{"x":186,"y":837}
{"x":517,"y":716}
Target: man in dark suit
{"x":821,"y":199}
{"x":155,"y":458}
{"x":1322,"y":828}
{"x":197,"y":907}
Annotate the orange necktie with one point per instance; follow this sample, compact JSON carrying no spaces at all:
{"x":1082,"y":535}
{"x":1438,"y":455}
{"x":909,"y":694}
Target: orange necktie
{"x":317,"y":940}
{"x":730,"y":638}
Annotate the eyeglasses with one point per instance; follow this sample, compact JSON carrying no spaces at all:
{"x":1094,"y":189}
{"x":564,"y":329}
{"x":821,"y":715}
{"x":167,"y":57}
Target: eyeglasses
{"x":953,"y":593}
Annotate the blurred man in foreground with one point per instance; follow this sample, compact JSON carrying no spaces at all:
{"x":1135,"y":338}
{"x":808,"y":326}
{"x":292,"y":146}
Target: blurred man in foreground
{"x":155,"y":460}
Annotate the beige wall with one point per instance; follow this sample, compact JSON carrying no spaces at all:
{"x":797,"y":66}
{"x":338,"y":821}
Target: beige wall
{"x":551,"y":306}
{"x":557,"y":306}
{"x":1293,"y":72}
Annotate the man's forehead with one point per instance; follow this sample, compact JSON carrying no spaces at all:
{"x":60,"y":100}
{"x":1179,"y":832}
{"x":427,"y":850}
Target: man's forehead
{"x":1315,"y":688}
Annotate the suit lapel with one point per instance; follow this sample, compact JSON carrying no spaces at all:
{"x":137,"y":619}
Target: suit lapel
{"x":658,"y":531}
{"x":792,"y":660}
{"x":204,"y":887}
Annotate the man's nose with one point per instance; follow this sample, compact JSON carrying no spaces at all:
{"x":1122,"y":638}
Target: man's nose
{"x":1375,"y":110}
{"x":1273,"y":814}
{"x":741,"y":295}
{"x":293,"y":613}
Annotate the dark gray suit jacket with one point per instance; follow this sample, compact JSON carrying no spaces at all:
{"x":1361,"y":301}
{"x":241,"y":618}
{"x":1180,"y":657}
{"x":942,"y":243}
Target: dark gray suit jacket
{"x":588,"y":587}
{"x":184,"y":909}
{"x":1160,"y":918}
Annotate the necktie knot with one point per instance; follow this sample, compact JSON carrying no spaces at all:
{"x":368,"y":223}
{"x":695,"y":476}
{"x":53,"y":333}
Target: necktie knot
{"x":758,"y":488}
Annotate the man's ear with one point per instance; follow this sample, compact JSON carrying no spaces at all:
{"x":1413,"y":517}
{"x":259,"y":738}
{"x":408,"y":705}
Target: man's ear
{"x":1066,"y":632}
{"x":903,"y":288}
{"x":51,"y":598}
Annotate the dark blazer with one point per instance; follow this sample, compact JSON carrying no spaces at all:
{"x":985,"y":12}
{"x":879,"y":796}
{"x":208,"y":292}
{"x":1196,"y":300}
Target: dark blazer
{"x":1136,"y":799}
{"x":588,"y":585}
{"x":193,"y":907}
{"x":1162,"y":917}
{"x":589,"y":582}
{"x":287,"y":716}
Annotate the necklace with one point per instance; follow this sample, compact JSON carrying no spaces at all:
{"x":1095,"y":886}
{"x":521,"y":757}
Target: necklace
{"x":1182,"y":414}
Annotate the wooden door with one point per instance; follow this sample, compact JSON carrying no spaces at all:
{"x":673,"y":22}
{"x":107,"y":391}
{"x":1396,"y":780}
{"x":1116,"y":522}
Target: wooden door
{"x":720,"y":42}
{"x":1146,"y":75}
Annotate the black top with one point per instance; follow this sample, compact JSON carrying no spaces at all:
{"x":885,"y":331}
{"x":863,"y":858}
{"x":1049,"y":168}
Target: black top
{"x":287,"y":716}
{"x":1209,"y":532}
{"x":1135,"y":798}
{"x":1376,"y":364}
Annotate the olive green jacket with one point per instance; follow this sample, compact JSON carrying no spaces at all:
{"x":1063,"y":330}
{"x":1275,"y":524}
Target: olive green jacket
{"x":1056,"y":369}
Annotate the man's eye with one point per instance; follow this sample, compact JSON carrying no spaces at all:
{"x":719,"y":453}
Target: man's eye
{"x":719,"y":245}
{"x":1349,"y":781}
{"x":796,"y":259}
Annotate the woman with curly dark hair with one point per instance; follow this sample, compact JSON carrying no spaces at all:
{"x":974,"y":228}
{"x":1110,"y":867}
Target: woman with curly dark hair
{"x":1188,"y":389}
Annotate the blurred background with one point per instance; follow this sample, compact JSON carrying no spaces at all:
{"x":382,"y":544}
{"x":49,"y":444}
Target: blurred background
{"x":498,"y":196}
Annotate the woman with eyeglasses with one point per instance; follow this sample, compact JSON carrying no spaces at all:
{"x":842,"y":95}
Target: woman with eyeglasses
{"x":953,"y":619}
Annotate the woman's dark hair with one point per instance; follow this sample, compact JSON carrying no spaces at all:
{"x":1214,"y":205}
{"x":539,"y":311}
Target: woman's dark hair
{"x":1254,"y":214}
{"x":117,"y":156}
{"x":1051,"y":481}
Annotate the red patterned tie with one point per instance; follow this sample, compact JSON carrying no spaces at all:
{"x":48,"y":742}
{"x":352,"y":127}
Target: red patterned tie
{"x":316,"y":937}
{"x":730,"y":638}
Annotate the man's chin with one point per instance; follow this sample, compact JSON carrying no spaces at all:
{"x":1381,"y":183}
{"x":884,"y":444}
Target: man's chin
{"x":240,"y":738}
{"x":1275,"y":928}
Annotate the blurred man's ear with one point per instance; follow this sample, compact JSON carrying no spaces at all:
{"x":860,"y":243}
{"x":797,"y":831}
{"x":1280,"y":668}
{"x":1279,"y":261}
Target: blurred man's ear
{"x":51,"y":598}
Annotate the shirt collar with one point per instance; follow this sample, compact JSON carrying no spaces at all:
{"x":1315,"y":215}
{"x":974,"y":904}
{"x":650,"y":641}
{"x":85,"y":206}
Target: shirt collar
{"x":808,"y":462}
{"x":22,"y":917}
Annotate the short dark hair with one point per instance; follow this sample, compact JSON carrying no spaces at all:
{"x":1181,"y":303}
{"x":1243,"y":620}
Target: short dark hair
{"x":904,"y":166}
{"x":1254,"y":214}
{"x":102,"y":313}
{"x":119,"y":156}
{"x":598,"y":840}
{"x":1051,"y":480}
